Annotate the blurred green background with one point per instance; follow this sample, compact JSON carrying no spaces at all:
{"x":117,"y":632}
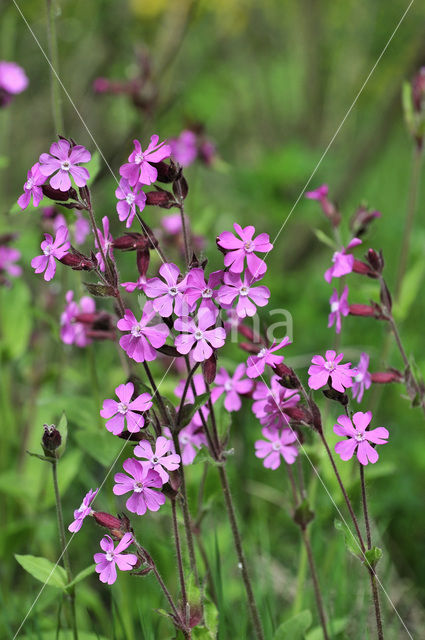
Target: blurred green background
{"x":271,"y":83}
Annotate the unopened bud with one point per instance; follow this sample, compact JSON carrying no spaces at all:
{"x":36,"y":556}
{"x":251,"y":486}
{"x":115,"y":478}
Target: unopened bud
{"x":51,"y":440}
{"x":376,"y":260}
{"x":131,"y":242}
{"x":385,"y":377}
{"x":289,"y":378}
{"x":366,"y":311}
{"x":107,"y":520}
{"x":337,"y":396}
{"x":361,"y":220}
{"x":363,"y":269}
{"x":166,"y":172}
{"x":78,"y":261}
{"x":142,"y":260}
{"x":163,"y":199}
{"x":57,"y":194}
{"x":209,"y":368}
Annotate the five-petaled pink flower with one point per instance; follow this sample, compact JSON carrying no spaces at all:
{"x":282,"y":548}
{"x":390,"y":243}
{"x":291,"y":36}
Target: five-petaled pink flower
{"x":126,"y":410}
{"x":237,"y":249}
{"x":113,"y":557}
{"x":73,"y":332}
{"x":359,"y":438}
{"x":191,"y":439}
{"x":142,"y":481}
{"x":274,"y":414}
{"x":277,"y":444}
{"x":362,"y":379}
{"x":232,"y":387}
{"x":248,"y":296}
{"x":343,"y":262}
{"x":142,"y":340}
{"x":339,"y":308}
{"x":161,"y":460}
{"x":32,"y":188}
{"x":128,"y":200}
{"x":257,"y":362}
{"x":106,"y":243}
{"x":64,"y":160}
{"x":200,"y":289}
{"x":199,"y":336}
{"x":168,"y":295}
{"x":322,"y":369}
{"x":83,"y":511}
{"x":52,"y":249}
{"x":139,"y":168}
{"x":8,"y":256}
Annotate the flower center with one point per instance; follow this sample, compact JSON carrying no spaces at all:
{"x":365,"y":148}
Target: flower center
{"x":276,"y":446}
{"x":173,"y":291}
{"x":359,"y":437}
{"x":122,"y":408}
{"x":244,"y":291}
{"x":48,"y":250}
{"x":334,"y":307}
{"x":330,"y":366}
{"x":130,"y":198}
{"x":29,"y":184}
{"x":359,"y":377}
{"x":248,"y":246}
{"x":228,"y":385}
{"x":138,"y":158}
{"x":155,"y":460}
{"x":207,"y":293}
{"x":262,"y":353}
{"x":65,"y":165}
{"x":109,"y":556}
{"x":184,"y":439}
{"x":138,"y":487}
{"x":198,"y":334}
{"x":81,"y":508}
{"x":136,"y":331}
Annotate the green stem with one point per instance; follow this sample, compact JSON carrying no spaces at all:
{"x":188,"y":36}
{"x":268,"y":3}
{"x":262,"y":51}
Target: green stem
{"x":179,"y":556}
{"x":54,"y":71}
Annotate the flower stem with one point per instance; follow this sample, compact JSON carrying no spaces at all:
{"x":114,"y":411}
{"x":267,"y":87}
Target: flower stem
{"x":179,"y":555}
{"x":54,"y":71}
{"x":65,"y":555}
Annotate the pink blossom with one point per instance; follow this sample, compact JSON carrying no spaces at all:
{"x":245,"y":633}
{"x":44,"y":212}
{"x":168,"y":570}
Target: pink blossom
{"x":142,"y":481}
{"x":339,"y":307}
{"x":200,"y":289}
{"x":65,"y":160}
{"x":142,"y":340}
{"x":244,"y":247}
{"x":362,"y":380}
{"x":161,"y":460}
{"x":343,"y":262}
{"x":257,"y":363}
{"x":168,"y":295}
{"x":277,"y":444}
{"x":200,"y":388}
{"x":32,"y":188}
{"x":13,"y":79}
{"x":232,"y":387}
{"x":263,"y":393}
{"x":139,"y":168}
{"x":132,"y":286}
{"x":191,"y":439}
{"x":199,"y":335}
{"x":274,"y":415}
{"x":52,"y":249}
{"x":172,"y":223}
{"x":247,"y":295}
{"x":128,"y":200}
{"x":106,"y":242}
{"x":321,"y":193}
{"x":83,"y":511}
{"x":359,"y":438}
{"x":105,"y":562}
{"x":81,"y":228}
{"x":8,"y":256}
{"x":322,"y":369}
{"x":126,"y":410}
{"x":184,"y":148}
{"x":72,"y":332}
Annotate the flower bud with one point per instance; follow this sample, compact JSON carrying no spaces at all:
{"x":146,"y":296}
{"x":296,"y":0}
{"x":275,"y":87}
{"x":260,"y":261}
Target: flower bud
{"x":376,"y":260}
{"x":57,"y":194}
{"x":363,"y":269}
{"x":163,"y":199}
{"x":366,"y":311}
{"x":51,"y":440}
{"x":132,"y":242}
{"x":385,"y":377}
{"x":209,"y":368}
{"x":361,"y":220}
{"x":337,"y":396}
{"x":289,"y":378}
{"x":142,"y":260}
{"x":166,"y":172}
{"x":78,"y":261}
{"x":107,"y":520}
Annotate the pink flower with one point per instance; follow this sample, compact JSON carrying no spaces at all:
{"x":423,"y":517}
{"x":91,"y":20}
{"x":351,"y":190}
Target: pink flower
{"x":362,"y":379}
{"x":125,"y":410}
{"x":321,"y":193}
{"x":13,"y":79}
{"x":141,"y":342}
{"x":277,"y":444}
{"x":83,"y":511}
{"x":191,"y":439}
{"x":274,"y":415}
{"x":263,"y":393}
{"x":184,"y":148}
{"x":200,"y":388}
{"x":248,"y":296}
{"x":168,"y":295}
{"x":199,"y":289}
{"x":257,"y":363}
{"x":199,"y":336}
{"x":172,"y":223}
{"x":322,"y":369}
{"x":8,"y":256}
{"x":75,"y":332}
{"x":244,"y":247}
{"x":105,"y":562}
{"x":129,"y":199}
{"x":32,"y":188}
{"x":65,"y":160}
{"x":343,"y":262}
{"x":106,"y":242}
{"x":141,"y":481}
{"x":132,"y":286}
{"x":339,"y":307}
{"x":52,"y":249}
{"x":139,"y":168}
{"x":161,"y":460}
{"x":359,"y":438}
{"x":81,"y":228}
{"x":232,"y":387}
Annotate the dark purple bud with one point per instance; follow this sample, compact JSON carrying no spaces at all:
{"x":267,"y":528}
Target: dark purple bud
{"x":376,"y":260}
{"x":361,"y":220}
{"x":78,"y":261}
{"x":337,"y":396}
{"x":364,"y":269}
{"x":180,"y":187}
{"x":385,"y":377}
{"x":107,"y":520}
{"x":386,"y":299}
{"x":51,"y":440}
{"x":142,"y":260}
{"x":209,"y":368}
{"x":166,"y":172}
{"x":131,"y":242}
{"x":163,"y":199}
{"x":57,"y":194}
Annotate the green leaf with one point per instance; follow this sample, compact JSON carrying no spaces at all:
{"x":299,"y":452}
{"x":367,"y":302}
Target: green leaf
{"x":410,"y":289}
{"x":373,"y":556}
{"x":408,"y":110}
{"x":189,"y":410}
{"x":44,"y":570}
{"x":294,"y":628}
{"x":321,"y":235}
{"x":99,"y":445}
{"x":88,"y":571}
{"x":93,"y":167}
{"x":335,"y":627}
{"x":350,"y":541}
{"x":16,"y":319}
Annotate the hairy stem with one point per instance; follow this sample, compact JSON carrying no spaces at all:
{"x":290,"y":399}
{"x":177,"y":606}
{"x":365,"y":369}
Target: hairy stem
{"x":179,"y":555}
